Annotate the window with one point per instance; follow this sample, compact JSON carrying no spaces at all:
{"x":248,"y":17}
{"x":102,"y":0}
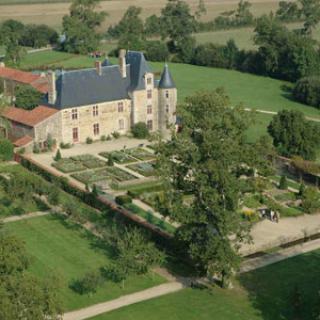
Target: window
{"x":95,"y":111}
{"x":120,"y":107}
{"x":75,"y":135}
{"x":149,"y":80}
{"x":167,"y":108}
{"x":149,"y":94}
{"x":74,"y":114}
{"x":149,"y":109}
{"x":149,"y":124}
{"x":167,"y":94}
{"x":96,"y":130}
{"x":121,"y":124}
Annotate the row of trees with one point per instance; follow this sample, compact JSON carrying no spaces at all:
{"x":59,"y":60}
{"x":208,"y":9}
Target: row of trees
{"x":14,"y":35}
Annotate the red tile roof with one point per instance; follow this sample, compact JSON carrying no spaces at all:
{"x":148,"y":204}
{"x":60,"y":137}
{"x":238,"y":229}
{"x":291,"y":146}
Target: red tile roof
{"x":37,"y":81}
{"x":23,"y":141}
{"x":29,"y":118}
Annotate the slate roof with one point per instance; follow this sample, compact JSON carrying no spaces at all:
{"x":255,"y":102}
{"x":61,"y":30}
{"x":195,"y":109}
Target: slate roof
{"x":86,"y":86}
{"x":166,"y":81}
{"x":37,"y":81}
{"x":29,"y":118}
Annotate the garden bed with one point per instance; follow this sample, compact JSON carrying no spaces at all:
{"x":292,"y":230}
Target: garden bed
{"x":141,"y":154}
{"x":108,"y":173}
{"x":120,"y":157}
{"x":90,"y":161}
{"x":68,"y":165}
{"x":146,"y":169}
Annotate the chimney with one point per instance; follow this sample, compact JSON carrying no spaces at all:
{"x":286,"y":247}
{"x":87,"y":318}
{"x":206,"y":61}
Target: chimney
{"x":122,"y":63}
{"x":52,"y":92}
{"x":98,"y":66}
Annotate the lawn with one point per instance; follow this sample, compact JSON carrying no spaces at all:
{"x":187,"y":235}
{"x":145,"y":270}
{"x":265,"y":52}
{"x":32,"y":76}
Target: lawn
{"x":265,"y":294}
{"x":69,"y":251}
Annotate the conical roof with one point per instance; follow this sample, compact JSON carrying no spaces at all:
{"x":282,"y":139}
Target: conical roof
{"x":166,"y":81}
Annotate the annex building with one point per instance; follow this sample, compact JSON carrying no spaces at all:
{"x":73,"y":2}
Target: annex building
{"x":90,"y":103}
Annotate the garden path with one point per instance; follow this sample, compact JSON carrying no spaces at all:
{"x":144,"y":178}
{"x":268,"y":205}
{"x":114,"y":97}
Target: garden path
{"x":267,"y":234}
{"x":123,"y":301}
{"x":25,"y":216}
{"x":259,"y":262}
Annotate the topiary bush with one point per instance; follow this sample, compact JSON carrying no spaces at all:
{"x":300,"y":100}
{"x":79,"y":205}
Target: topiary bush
{"x":283,"y":184}
{"x":6,"y":150}
{"x":140,"y":130}
{"x":89,"y":140}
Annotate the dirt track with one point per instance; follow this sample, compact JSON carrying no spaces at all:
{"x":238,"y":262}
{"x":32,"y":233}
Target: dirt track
{"x":52,"y":14}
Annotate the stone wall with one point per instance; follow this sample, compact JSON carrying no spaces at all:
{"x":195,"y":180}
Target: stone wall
{"x":50,"y":126}
{"x":108,"y":119}
{"x":18,"y":130}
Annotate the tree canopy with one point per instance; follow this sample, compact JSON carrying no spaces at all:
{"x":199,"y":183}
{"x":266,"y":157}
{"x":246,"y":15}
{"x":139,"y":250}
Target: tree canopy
{"x":203,"y":160}
{"x":80,"y":26}
{"x":293,"y":135}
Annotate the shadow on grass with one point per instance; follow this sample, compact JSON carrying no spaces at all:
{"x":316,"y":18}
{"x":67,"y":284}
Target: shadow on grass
{"x":287,"y":290}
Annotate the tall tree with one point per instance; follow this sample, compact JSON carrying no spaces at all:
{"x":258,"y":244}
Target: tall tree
{"x":310,"y":12}
{"x":177,"y":22}
{"x":80,"y":26}
{"x":11,"y":33}
{"x":202,"y":161}
{"x":131,"y":29}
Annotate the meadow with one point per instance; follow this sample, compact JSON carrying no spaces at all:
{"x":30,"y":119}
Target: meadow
{"x":58,"y":247}
{"x":286,"y":290}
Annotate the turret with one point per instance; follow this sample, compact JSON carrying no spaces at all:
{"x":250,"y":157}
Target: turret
{"x":167,"y":100}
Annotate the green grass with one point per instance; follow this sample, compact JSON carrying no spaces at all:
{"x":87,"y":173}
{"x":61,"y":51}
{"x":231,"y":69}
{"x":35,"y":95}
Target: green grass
{"x":70,"y":251}
{"x":291,"y":183}
{"x":265,"y":294}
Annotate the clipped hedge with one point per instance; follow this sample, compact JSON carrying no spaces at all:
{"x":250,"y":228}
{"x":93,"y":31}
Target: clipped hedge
{"x":124,"y":199}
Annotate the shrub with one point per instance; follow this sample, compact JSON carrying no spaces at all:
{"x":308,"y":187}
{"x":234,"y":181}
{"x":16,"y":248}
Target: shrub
{"x":140,"y":130}
{"x":311,"y":200}
{"x":116,"y":134}
{"x":156,"y":51}
{"x":88,"y":284}
{"x":283,"y":184}
{"x":89,"y":140}
{"x":109,"y":138}
{"x":110,"y":160}
{"x":54,"y":196}
{"x":57,"y":156}
{"x":103,"y":138}
{"x":124,"y":199}
{"x":307,"y":90}
{"x":6,"y":150}
{"x":36,"y":148}
{"x":65,"y":145}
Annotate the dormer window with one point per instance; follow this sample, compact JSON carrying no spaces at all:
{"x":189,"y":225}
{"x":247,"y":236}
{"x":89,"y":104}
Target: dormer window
{"x":95,"y":111}
{"x":120,"y":107}
{"x":74,"y":114}
{"x":149,"y":81}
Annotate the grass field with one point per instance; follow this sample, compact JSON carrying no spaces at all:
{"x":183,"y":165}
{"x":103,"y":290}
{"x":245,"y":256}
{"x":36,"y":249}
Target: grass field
{"x":64,"y":249}
{"x":51,"y":12}
{"x":266,"y":293}
{"x":253,"y":91}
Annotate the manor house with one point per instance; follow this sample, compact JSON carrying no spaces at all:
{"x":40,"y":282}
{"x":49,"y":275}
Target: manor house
{"x":90,"y":103}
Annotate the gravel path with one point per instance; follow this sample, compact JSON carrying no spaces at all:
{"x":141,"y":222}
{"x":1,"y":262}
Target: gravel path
{"x":123,"y":301}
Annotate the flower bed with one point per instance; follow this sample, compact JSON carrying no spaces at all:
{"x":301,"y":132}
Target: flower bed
{"x":118,"y":156}
{"x":90,"y":161}
{"x":68,"y":165}
{"x":146,"y":169}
